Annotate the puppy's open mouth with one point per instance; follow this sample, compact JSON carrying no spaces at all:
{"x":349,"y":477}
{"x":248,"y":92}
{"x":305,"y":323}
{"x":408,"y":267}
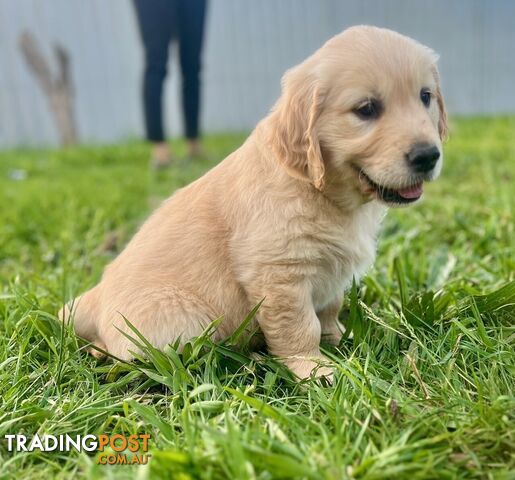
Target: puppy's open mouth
{"x":403,"y":195}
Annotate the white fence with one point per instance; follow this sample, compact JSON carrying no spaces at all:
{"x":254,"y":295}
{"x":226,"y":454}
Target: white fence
{"x":249,"y":44}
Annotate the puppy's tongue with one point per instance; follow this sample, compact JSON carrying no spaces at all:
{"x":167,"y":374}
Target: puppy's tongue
{"x":411,"y":192}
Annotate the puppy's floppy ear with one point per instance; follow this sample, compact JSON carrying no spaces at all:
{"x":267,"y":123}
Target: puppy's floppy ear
{"x":294,"y":136}
{"x":443,"y":129}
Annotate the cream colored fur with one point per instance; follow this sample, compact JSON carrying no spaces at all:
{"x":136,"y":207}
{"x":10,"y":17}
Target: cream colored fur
{"x":286,"y":217}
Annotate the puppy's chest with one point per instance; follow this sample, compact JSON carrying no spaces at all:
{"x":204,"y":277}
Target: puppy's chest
{"x":342,"y":252}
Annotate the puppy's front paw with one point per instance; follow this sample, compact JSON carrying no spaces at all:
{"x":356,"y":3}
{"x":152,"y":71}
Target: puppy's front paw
{"x":332,"y":331}
{"x":332,"y":338}
{"x":305,"y":367}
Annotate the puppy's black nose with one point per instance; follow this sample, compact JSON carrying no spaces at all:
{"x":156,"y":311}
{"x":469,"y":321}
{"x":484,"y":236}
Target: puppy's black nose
{"x":423,"y":157}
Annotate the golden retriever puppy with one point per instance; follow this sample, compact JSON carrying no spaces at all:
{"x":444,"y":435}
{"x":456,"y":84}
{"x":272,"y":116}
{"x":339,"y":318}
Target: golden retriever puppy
{"x":291,"y":216}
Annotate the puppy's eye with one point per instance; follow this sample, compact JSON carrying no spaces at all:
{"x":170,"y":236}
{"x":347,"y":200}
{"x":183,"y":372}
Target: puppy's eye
{"x":425,"y":96}
{"x":368,"y":110}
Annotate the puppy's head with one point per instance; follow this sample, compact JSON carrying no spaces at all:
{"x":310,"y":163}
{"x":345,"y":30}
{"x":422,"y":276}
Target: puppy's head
{"x":363,"y":117}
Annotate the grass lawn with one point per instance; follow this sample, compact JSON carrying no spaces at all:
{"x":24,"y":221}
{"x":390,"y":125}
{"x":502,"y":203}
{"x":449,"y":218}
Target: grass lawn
{"x":424,"y":389}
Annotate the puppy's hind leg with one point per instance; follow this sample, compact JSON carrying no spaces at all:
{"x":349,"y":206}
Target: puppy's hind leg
{"x":161,"y":316}
{"x":83,"y":312}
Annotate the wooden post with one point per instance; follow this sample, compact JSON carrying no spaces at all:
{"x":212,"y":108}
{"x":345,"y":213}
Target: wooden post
{"x":57,"y":88}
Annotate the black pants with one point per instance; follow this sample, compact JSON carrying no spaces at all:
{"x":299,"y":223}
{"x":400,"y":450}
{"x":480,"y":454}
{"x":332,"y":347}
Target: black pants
{"x":160,"y":22}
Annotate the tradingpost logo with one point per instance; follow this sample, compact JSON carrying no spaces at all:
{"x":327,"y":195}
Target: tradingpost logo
{"x":114,"y":449}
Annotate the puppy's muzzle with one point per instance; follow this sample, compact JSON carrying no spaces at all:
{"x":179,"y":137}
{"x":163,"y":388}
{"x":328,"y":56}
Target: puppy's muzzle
{"x":422,"y":157}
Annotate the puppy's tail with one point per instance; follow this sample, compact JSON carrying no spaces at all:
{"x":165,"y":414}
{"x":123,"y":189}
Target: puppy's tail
{"x":82,"y":312}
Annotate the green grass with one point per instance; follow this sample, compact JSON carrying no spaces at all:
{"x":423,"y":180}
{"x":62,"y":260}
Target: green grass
{"x":424,"y":389}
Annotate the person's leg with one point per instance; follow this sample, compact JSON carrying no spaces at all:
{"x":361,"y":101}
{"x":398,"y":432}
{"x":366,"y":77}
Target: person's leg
{"x":155,"y":19}
{"x":191,"y":22}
